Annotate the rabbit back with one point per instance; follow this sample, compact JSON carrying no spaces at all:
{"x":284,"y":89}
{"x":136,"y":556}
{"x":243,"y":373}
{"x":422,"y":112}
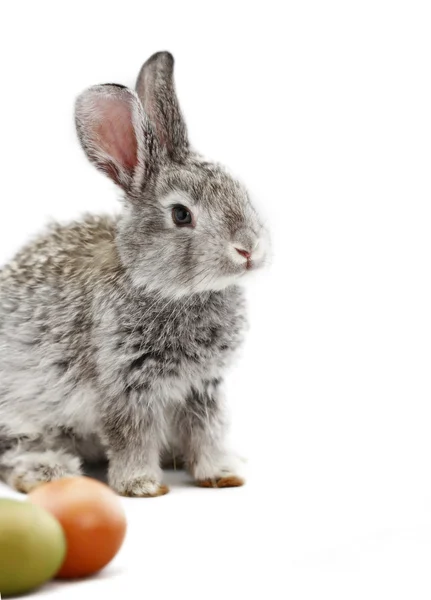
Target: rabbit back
{"x":45,"y":327}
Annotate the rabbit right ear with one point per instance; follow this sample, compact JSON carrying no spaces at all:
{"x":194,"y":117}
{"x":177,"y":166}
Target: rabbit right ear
{"x":116,"y":135}
{"x":156,"y":90}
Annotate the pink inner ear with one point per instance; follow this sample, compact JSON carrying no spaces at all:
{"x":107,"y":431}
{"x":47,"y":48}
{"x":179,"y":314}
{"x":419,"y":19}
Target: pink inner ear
{"x":115,"y":132}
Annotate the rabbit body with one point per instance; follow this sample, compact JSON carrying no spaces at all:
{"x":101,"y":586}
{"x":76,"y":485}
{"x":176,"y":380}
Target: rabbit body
{"x":79,"y":347}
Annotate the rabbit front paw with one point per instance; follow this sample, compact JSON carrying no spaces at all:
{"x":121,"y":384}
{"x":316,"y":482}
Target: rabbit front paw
{"x":141,"y":487}
{"x":143,"y":484}
{"x":222,"y":482}
{"x":222,"y":472}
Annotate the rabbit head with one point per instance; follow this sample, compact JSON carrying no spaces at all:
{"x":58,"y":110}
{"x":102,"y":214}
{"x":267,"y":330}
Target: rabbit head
{"x":187,"y":225}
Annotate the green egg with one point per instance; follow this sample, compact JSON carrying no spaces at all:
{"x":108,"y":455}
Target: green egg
{"x":32,"y":546}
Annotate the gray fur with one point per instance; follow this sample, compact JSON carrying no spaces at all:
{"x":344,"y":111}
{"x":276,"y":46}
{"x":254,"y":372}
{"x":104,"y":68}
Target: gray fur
{"x":115,"y":333}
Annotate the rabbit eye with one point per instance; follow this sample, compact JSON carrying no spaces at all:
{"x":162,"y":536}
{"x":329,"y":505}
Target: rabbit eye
{"x":181,"y":216}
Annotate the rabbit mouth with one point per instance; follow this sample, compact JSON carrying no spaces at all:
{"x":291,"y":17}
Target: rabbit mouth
{"x":247,"y":267}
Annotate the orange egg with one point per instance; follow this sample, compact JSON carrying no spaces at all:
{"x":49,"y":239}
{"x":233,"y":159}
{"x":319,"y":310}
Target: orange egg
{"x":92,"y":518}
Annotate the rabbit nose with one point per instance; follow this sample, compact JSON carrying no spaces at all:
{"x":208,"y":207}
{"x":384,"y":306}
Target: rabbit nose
{"x":244,"y":253}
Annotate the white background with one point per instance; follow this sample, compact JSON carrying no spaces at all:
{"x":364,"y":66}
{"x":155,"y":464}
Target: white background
{"x":324,"y":110}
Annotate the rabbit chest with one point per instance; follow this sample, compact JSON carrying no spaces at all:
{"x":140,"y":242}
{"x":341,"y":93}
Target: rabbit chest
{"x":164,"y":347}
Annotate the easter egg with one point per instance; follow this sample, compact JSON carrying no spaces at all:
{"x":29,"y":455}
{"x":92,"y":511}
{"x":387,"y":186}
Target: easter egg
{"x":32,"y":546}
{"x":92,"y":518}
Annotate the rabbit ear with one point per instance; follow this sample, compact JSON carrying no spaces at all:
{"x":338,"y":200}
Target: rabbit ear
{"x":155,"y":88}
{"x":115,"y":134}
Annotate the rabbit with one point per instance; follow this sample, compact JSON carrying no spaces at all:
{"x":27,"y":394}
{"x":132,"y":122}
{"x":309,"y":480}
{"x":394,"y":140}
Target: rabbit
{"x":116,"y":331}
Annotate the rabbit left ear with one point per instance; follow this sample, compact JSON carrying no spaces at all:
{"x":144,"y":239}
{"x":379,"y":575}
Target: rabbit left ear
{"x":116,"y":135}
{"x":156,"y":90}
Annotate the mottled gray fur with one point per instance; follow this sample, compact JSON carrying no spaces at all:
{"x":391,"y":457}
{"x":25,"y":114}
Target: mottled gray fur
{"x":115,"y":333}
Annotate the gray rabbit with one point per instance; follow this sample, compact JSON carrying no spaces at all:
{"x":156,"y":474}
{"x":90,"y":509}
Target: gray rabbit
{"x":115,"y":333}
